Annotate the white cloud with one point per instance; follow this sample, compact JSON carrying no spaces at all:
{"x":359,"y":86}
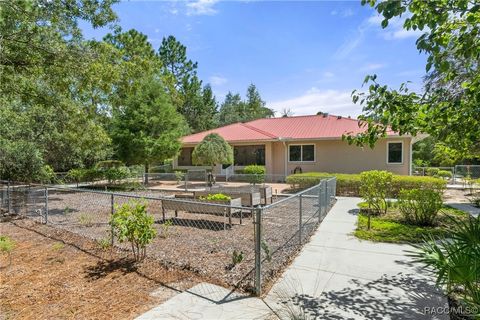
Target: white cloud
{"x":201,"y":7}
{"x":328,"y":75}
{"x":344,"y":13}
{"x":157,"y":30}
{"x":217,"y":80}
{"x":314,"y":100}
{"x":372,"y":66}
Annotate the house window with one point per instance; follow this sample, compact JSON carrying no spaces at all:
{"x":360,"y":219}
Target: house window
{"x":247,"y":155}
{"x":185,"y":157}
{"x":301,"y":153}
{"x":395,"y":152}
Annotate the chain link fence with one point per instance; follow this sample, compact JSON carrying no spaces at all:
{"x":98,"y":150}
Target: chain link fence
{"x":239,"y":245}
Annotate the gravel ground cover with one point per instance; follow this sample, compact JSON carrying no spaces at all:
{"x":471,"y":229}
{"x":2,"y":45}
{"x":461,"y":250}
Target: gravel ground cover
{"x":203,"y":243}
{"x":56,"y":274}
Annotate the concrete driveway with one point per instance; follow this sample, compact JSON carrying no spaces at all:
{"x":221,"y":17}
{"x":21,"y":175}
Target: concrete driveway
{"x":336,"y":276}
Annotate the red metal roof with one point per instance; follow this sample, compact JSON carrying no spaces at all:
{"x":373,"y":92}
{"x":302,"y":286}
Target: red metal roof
{"x":300,"y":127}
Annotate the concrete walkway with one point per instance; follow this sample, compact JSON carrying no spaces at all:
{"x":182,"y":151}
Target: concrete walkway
{"x":336,"y":276}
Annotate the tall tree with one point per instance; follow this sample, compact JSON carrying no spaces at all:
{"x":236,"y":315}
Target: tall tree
{"x":43,"y":63}
{"x":234,"y":109}
{"x":449,"y":107}
{"x":195,"y":103}
{"x":147,"y":128}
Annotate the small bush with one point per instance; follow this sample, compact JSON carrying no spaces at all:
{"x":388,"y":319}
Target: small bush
{"x":256,"y":173}
{"x":6,"y":247}
{"x":115,"y":174}
{"x":444,"y":174}
{"x":432,"y":172}
{"x":179,"y":176}
{"x":105,"y":243}
{"x":374,"y":189}
{"x":131,"y":222}
{"x":420,"y":206}
{"x":217,"y":197}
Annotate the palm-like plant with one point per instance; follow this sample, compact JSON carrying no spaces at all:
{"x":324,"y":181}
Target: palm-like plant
{"x":455,"y":262}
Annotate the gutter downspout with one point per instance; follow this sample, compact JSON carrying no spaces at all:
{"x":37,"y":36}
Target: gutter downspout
{"x":285,"y":171}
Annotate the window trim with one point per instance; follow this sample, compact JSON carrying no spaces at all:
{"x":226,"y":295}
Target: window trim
{"x":301,"y":152}
{"x":403,"y":153}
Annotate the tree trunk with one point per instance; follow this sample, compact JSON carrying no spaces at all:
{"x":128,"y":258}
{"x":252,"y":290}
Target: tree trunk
{"x":146,"y":174}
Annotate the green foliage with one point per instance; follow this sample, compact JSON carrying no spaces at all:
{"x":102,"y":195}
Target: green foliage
{"x":349,"y":184}
{"x":57,"y":246}
{"x":85,"y":219}
{"x":179,"y":176}
{"x":445,"y":174}
{"x":256,"y":173}
{"x":116,"y":174}
{"x":108,"y":164}
{"x":20,"y":161}
{"x":6,"y":244}
{"x":393,"y":228}
{"x":147,"y":128}
{"x":105,"y":243}
{"x":374,"y":188}
{"x":455,"y":261}
{"x":49,"y":79}
{"x":212,"y":150}
{"x":433,"y":172}
{"x":47,"y":175}
{"x":448,"y":109}
{"x":266,"y":250}
{"x":420,"y":206}
{"x":166,"y":227}
{"x":217,"y":197}
{"x":237,"y":257}
{"x":234,"y":109}
{"x":132,"y":223}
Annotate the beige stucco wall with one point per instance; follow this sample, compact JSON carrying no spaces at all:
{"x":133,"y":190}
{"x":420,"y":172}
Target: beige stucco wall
{"x":334,"y":156}
{"x":340,"y":157}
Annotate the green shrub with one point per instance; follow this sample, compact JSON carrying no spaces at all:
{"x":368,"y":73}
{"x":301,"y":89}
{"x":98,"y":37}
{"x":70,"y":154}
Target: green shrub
{"x":432,"y":172}
{"x":108,"y":164}
{"x":374,"y":189}
{"x":179,"y":176}
{"x":47,"y":175}
{"x":445,"y":174}
{"x":454,"y":261}
{"x":131,"y":222}
{"x":115,"y":174}
{"x":349,"y":184}
{"x":256,"y":173}
{"x":6,"y":247}
{"x":217,"y":197}
{"x":420,"y":206}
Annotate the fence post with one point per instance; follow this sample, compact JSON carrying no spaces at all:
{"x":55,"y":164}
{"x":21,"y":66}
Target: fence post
{"x":186,"y":181}
{"x":300,"y":212}
{"x":258,"y":253}
{"x":320,"y":209}
{"x":46,"y":205}
{"x":9,"y":198}
{"x":112,"y":210}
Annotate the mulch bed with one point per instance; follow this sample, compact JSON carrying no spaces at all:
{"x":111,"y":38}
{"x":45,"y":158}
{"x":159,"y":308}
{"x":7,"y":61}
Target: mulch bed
{"x":56,"y":274}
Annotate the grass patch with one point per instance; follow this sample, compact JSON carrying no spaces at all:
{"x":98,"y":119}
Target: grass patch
{"x":392,"y":228}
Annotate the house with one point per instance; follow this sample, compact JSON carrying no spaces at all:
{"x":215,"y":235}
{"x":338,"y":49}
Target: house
{"x":303,"y":144}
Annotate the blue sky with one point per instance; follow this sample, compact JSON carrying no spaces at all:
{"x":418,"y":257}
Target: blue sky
{"x":307,"y":56}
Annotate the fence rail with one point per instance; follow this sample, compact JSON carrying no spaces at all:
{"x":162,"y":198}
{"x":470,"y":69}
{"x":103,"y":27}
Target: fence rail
{"x":192,"y":233}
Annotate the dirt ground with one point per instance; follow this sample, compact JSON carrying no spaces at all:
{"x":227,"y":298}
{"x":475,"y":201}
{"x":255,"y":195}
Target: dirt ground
{"x":456,"y":196}
{"x":58,"y":275}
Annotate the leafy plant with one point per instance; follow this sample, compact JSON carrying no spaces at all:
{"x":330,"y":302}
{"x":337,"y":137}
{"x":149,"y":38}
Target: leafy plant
{"x":166,"y":227}
{"x":6,"y":247}
{"x":444,"y":174}
{"x":57,"y":246}
{"x":85,"y":219}
{"x":115,"y":174}
{"x":456,"y":261}
{"x":179,"y":176}
{"x":266,"y":250}
{"x":212,"y":150}
{"x":237,"y":257}
{"x":217,"y":197}
{"x":131,"y":222}
{"x":420,"y":206}
{"x":256,"y":173}
{"x":105,"y":243}
{"x":374,"y":189}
